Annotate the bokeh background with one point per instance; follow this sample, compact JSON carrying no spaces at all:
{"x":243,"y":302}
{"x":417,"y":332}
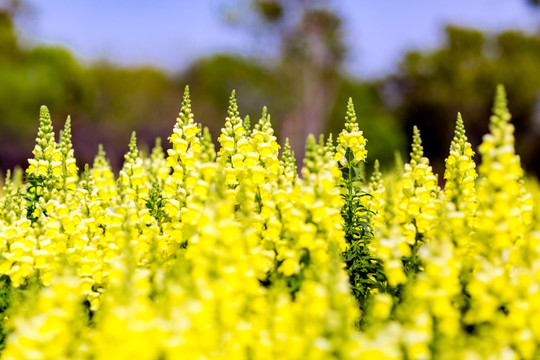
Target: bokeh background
{"x":119,"y":66}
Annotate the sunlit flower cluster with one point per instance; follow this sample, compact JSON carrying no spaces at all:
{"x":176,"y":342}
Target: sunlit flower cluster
{"x":351,"y":138}
{"x":188,"y":253}
{"x":460,"y":189}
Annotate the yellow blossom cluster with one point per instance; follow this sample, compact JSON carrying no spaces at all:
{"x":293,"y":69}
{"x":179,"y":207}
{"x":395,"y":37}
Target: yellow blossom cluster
{"x":46,"y":160}
{"x":351,"y":138}
{"x":175,"y":256}
{"x":419,"y":196}
{"x":471,"y":289}
{"x":460,"y":189}
{"x":188,"y":253}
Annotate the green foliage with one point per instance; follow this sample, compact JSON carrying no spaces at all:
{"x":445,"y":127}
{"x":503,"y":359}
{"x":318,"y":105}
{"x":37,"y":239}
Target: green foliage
{"x":366,"y":274}
{"x":365,"y":271}
{"x":156,"y":204}
{"x":6,"y":291}
{"x":270,"y":10}
{"x":34,"y":192}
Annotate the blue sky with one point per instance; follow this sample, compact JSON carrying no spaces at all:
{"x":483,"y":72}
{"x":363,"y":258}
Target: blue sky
{"x":171,"y":34}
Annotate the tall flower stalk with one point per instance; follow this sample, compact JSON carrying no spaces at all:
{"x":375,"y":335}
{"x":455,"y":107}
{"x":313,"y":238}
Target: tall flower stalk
{"x":365,"y":270}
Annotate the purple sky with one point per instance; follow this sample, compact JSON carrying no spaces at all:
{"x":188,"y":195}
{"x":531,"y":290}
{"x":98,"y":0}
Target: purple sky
{"x":170,"y":34}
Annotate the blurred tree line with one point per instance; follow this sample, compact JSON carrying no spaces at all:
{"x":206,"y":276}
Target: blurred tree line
{"x":305,"y":91}
{"x":429,"y":88}
{"x":304,"y":85}
{"x":105,"y":102}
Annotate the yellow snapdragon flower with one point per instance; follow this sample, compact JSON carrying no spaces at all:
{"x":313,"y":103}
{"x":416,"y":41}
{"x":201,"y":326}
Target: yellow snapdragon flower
{"x":351,"y":137}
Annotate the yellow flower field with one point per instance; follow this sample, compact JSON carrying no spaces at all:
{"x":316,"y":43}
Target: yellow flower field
{"x":235,"y":254}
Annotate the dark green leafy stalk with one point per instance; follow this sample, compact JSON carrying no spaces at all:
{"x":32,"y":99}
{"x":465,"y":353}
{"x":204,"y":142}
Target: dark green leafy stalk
{"x":36,"y":185}
{"x":10,"y":298}
{"x":6,"y":295}
{"x":156,"y":204}
{"x":365,"y":271}
{"x":412,"y":264}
